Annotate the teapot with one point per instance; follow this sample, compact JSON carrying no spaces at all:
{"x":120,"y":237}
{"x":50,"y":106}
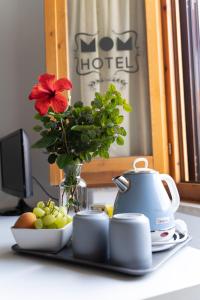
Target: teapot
{"x":141,"y":191}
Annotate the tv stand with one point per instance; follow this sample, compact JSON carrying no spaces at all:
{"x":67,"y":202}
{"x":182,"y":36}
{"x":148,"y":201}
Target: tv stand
{"x":21,"y":208}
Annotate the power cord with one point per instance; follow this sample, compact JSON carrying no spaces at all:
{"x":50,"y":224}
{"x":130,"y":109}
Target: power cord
{"x":43,"y":189}
{"x":22,"y":206}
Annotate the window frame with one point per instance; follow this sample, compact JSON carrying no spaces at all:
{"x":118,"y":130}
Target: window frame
{"x":100,"y":172}
{"x":174,"y":84}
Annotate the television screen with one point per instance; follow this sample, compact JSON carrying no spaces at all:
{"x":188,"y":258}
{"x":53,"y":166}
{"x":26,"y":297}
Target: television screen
{"x":15,"y":164}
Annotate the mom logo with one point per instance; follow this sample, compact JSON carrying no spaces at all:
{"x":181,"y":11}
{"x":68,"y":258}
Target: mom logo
{"x":106,"y":44}
{"x":118,"y":53}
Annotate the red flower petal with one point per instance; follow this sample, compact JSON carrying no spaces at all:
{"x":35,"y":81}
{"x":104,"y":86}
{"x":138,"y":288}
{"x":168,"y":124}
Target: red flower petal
{"x":42,"y":106}
{"x":47,"y":81}
{"x":63,"y":84}
{"x":38,"y":92}
{"x":59,"y":103}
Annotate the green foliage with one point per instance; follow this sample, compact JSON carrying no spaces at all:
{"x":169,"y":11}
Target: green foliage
{"x":83,"y":132}
{"x":127,"y":107}
{"x":64,"y":159}
{"x":37,"y":128}
{"x":120,"y":140}
{"x":45,"y":141}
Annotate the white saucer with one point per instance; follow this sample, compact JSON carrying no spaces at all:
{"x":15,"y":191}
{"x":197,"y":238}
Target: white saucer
{"x":157,"y":248}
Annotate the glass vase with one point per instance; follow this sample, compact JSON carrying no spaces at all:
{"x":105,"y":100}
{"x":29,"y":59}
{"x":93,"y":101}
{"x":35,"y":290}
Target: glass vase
{"x":73,"y":189}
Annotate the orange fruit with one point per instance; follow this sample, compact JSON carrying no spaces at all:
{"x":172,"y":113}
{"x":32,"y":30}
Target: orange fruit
{"x":26,"y":220}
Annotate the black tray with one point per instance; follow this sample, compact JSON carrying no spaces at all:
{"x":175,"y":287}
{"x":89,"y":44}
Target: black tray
{"x":159,"y":258}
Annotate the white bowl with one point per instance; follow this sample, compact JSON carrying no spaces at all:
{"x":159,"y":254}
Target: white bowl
{"x":51,"y":240}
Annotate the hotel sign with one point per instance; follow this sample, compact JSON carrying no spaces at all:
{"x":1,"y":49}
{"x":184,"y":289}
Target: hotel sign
{"x":96,"y":54}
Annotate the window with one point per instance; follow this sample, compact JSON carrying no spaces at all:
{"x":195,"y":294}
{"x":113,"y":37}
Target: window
{"x":56,"y":48}
{"x":181,"y":52}
{"x":57,"y":62}
{"x":172,"y":135}
{"x":189,"y":20}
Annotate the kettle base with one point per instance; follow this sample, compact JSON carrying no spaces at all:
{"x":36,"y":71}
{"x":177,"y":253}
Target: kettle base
{"x":162,"y":235}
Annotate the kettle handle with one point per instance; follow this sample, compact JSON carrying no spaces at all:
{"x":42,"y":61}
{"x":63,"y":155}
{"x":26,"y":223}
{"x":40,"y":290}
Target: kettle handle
{"x":173,"y":190}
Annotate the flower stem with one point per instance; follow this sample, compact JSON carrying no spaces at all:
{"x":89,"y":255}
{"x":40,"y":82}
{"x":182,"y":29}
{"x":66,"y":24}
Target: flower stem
{"x":64,"y":135}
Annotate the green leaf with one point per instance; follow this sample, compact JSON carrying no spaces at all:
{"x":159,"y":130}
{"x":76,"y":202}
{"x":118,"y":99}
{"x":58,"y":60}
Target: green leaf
{"x":112,"y":88}
{"x":119,"y":100}
{"x":48,"y":125}
{"x":88,"y":157}
{"x":110,"y":131}
{"x":45,"y":119}
{"x":122,"y":131}
{"x":37,"y":128}
{"x":95,"y":154}
{"x":97,"y":102}
{"x":104,"y":153}
{"x":85,"y":138}
{"x":110,"y":124}
{"x":83,"y":127}
{"x":103,"y":120}
{"x":92,"y":134}
{"x":114,"y":102}
{"x":127,"y":107}
{"x":63,"y":159}
{"x":119,"y":120}
{"x":44,"y":133}
{"x":45,"y":142}
{"x":78,"y":104}
{"x":37,"y":117}
{"x":115,"y":112}
{"x":52,"y":158}
{"x":68,"y":112}
{"x":89,"y":130}
{"x":120,"y":140}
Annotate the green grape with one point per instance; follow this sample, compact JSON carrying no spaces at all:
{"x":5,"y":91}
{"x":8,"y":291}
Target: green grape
{"x":69,"y":219}
{"x":60,"y":223}
{"x":38,"y":224}
{"x":51,"y":216}
{"x":65,"y":219}
{"x":48,"y":220}
{"x":63,"y":210}
{"x":51,"y":204}
{"x":38,"y":212}
{"x":47,"y":210}
{"x":41,"y":204}
{"x":59,"y":216}
{"x":55,"y":211}
{"x":52,"y":226}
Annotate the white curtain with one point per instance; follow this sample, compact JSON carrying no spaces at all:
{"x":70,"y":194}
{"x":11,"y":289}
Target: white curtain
{"x":107,"y":44}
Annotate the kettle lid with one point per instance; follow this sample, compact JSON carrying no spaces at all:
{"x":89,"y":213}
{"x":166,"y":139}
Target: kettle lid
{"x":144,"y":170}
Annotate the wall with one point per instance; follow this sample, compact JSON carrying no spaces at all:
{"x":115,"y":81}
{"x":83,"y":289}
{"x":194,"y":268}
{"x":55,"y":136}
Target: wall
{"x":22,"y":59}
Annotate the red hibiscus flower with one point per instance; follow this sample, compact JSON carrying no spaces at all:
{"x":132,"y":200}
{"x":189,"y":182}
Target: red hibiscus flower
{"x":48,"y":93}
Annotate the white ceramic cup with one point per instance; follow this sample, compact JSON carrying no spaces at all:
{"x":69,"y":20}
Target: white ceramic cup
{"x":90,"y":235}
{"x":130,"y":241}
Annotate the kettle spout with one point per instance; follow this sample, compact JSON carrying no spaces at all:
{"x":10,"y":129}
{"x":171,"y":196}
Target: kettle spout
{"x":122,"y":183}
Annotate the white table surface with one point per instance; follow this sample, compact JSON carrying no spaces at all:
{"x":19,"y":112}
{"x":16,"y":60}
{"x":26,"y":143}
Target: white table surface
{"x":27,"y":278}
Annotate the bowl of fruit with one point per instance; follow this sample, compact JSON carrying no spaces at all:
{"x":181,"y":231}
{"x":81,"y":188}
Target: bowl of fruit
{"x":47,"y":228}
